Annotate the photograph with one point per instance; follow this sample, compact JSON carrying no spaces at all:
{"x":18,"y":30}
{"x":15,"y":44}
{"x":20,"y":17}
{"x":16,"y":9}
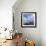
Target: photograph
{"x":28,"y":19}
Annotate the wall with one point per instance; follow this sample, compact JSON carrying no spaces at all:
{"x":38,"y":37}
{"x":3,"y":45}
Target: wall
{"x":28,"y":6}
{"x":6,"y":13}
{"x":6,"y":16}
{"x":43,"y":22}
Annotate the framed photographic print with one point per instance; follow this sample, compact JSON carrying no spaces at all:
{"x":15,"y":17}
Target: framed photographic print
{"x":28,"y":19}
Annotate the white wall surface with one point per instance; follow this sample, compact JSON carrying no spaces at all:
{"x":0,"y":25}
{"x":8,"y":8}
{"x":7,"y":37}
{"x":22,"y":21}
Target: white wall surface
{"x":6,"y":16}
{"x":6,"y":13}
{"x":31,"y":33}
{"x":37,"y":34}
{"x":43,"y":22}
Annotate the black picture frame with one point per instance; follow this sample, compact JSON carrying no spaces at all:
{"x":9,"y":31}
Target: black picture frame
{"x":28,"y":19}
